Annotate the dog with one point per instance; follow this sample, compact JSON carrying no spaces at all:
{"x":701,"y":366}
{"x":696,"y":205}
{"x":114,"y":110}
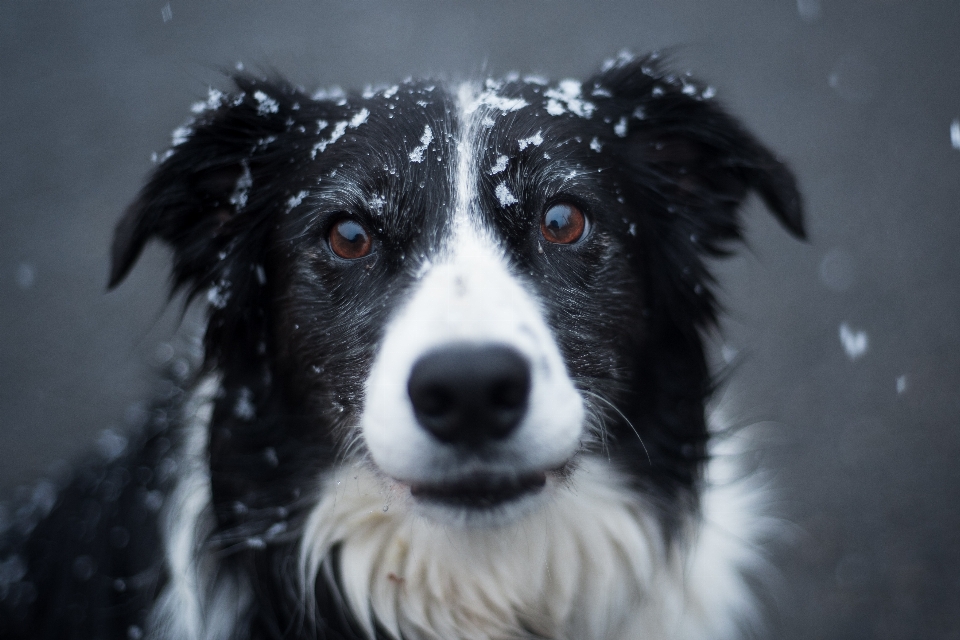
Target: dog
{"x":454,"y":379}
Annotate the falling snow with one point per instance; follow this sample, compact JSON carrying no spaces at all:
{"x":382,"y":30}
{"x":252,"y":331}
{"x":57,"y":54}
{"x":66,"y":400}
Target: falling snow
{"x":855,"y":343}
{"x":955,"y":134}
{"x":504,"y":196}
{"x":595,"y":145}
{"x":901,"y":384}
{"x":417,"y":154}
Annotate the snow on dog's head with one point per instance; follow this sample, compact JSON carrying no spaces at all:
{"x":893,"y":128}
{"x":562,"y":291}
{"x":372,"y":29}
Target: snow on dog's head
{"x":476,"y":310}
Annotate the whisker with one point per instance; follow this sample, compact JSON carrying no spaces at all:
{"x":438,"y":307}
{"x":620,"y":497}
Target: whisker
{"x":597,"y":424}
{"x":610,"y":404}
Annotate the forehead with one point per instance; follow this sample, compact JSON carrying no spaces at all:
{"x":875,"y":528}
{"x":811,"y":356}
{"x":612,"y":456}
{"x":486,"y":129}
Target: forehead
{"x":419,"y":124}
{"x":421,"y":152}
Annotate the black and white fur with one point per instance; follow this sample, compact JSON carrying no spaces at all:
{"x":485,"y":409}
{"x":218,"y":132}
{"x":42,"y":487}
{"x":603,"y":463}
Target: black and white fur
{"x":272,"y":499}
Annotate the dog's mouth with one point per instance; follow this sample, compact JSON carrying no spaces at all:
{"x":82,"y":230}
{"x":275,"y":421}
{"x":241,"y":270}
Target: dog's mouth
{"x":480,"y":491}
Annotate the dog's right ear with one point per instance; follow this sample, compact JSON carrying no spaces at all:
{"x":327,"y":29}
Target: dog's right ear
{"x":201,"y":199}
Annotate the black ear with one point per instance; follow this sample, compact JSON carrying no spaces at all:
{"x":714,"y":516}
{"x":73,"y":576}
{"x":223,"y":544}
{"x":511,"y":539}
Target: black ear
{"x":201,"y":199}
{"x":697,"y":161}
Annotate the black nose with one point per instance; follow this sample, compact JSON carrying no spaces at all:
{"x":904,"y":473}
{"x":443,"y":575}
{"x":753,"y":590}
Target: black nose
{"x":469,"y":394}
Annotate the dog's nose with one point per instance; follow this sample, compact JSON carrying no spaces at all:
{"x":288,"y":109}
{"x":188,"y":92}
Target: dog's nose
{"x":470,"y":394}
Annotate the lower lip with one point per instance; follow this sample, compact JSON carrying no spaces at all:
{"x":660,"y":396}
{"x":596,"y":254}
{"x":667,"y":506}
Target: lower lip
{"x":482,"y":492}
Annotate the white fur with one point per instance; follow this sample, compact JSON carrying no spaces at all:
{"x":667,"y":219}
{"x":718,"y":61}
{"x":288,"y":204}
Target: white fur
{"x":199,"y":602}
{"x":468,"y":295}
{"x":591,"y":564}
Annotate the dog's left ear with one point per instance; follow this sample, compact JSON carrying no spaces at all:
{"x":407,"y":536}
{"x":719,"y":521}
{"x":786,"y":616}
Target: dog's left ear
{"x":691,"y":157}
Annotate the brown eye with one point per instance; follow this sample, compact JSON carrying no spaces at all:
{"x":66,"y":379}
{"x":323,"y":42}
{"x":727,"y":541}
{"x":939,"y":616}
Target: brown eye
{"x":349,"y":240}
{"x":563,"y":224}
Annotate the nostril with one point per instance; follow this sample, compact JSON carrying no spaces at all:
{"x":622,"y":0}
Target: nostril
{"x":470,"y":393}
{"x":432,"y":400}
{"x":509,"y":393}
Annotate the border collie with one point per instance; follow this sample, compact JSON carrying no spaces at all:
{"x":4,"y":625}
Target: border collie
{"x":454,"y":376}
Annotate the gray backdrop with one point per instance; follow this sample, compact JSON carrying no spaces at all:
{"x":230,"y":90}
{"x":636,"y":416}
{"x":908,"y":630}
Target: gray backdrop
{"x":859,"y":96}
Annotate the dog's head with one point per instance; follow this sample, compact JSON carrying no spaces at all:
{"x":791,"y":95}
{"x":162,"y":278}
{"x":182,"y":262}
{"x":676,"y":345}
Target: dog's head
{"x":468,"y":288}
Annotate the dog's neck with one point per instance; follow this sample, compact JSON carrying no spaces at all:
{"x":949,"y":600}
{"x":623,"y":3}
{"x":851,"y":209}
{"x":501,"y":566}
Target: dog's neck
{"x":592,"y":564}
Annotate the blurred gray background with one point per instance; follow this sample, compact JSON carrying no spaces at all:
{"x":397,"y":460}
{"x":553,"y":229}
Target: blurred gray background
{"x":847,"y":346}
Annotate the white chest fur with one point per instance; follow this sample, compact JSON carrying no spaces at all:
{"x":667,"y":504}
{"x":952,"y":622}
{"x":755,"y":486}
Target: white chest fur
{"x":590,"y":565}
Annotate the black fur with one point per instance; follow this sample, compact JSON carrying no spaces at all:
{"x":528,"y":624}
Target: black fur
{"x":245,"y":203}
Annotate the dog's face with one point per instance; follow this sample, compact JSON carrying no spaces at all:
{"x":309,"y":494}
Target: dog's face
{"x":474,"y":262}
{"x":468,"y":289}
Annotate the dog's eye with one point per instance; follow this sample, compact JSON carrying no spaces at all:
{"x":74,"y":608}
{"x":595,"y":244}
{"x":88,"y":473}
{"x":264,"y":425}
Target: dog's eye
{"x":349,"y":240}
{"x":563,"y":224}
